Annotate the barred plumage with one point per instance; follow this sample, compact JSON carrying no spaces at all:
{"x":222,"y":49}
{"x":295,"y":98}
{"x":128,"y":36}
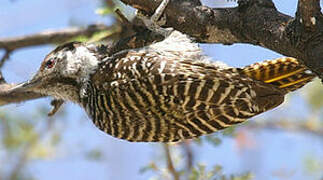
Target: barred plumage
{"x":164,"y":92}
{"x":143,"y":95}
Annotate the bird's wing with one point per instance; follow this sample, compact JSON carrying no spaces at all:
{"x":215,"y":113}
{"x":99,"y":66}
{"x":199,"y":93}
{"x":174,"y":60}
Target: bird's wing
{"x":154,"y":98}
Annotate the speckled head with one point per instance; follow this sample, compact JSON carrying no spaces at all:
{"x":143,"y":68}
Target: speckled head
{"x":63,"y":71}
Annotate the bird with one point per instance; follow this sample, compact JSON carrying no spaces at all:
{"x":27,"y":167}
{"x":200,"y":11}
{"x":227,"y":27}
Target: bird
{"x":164,"y":92}
{"x":167,"y":91}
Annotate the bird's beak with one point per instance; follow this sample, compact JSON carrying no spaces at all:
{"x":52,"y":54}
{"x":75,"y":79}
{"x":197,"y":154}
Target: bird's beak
{"x":27,"y":86}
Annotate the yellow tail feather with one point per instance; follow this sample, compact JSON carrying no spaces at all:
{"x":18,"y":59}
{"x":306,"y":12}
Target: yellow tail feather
{"x":285,"y":73}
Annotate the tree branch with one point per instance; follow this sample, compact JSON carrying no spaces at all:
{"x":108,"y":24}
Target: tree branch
{"x":50,"y":37}
{"x":170,"y":164}
{"x":255,"y":22}
{"x":7,"y":97}
{"x":5,"y":57}
{"x":307,"y":12}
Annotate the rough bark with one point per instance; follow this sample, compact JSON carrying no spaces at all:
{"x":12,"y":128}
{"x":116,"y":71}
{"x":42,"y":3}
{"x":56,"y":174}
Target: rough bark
{"x":255,"y":22}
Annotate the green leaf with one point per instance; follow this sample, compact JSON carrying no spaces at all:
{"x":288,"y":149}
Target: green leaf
{"x":104,"y":11}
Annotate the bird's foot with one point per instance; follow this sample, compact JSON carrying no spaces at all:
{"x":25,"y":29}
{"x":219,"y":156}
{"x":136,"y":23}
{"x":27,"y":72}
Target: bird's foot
{"x":157,"y":20}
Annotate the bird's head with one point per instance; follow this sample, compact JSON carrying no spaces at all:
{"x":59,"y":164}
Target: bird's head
{"x":63,"y":71}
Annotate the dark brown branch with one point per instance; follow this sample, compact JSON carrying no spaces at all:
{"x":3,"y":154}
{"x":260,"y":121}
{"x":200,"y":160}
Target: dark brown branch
{"x":5,"y":57}
{"x":307,"y":30}
{"x":50,"y":37}
{"x":255,"y":22}
{"x":308,"y":11}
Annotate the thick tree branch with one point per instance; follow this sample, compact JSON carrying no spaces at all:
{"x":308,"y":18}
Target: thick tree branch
{"x":254,"y":21}
{"x":308,"y":34}
{"x":308,"y":11}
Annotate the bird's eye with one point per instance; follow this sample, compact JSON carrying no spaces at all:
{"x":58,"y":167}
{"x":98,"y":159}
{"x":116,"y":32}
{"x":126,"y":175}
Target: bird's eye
{"x":50,"y":63}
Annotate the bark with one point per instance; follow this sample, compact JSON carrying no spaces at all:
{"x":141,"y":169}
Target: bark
{"x":49,"y":37}
{"x":255,"y":22}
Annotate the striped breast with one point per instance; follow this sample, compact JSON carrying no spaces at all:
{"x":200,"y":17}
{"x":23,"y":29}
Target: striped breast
{"x":151,"y":98}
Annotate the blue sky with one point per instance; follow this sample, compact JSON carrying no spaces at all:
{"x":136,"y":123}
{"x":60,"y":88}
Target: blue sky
{"x":274,"y":150}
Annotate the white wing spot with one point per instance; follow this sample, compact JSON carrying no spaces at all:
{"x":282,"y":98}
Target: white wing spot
{"x":114,"y":83}
{"x":162,"y":66}
{"x":313,"y":20}
{"x":132,"y":58}
{"x":134,"y":66}
{"x":119,"y":75}
{"x":148,"y":64}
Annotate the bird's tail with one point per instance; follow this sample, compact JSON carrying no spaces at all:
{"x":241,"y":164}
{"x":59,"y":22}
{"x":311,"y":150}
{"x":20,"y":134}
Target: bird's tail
{"x":285,"y":73}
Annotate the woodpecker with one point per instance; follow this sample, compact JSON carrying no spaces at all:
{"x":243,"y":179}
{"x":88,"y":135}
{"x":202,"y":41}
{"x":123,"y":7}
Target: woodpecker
{"x":165,"y":92}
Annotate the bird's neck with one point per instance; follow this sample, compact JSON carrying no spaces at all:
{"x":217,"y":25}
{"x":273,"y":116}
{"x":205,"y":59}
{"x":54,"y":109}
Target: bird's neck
{"x":67,"y":89}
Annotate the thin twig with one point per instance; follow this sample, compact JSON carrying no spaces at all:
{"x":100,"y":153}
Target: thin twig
{"x":2,"y":80}
{"x":189,"y":154}
{"x":189,"y":157}
{"x":50,"y":37}
{"x":170,"y":164}
{"x":5,"y":57}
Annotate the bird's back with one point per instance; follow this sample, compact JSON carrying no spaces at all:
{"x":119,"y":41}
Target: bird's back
{"x":141,"y":96}
{"x":159,"y":94}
